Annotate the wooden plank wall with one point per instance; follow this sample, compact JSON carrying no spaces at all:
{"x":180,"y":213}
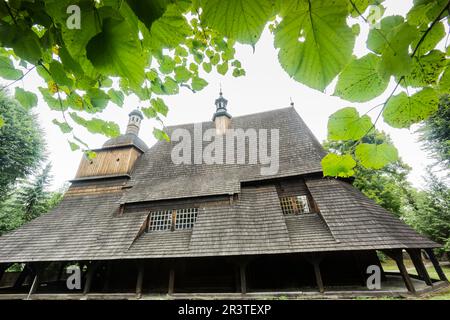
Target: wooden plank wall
{"x":108,"y":162}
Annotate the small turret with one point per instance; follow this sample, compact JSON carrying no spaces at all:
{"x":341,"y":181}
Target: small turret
{"x":134,"y":122}
{"x":221,"y":117}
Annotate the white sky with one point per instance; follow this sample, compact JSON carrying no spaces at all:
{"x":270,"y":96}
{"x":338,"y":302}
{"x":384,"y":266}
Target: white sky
{"x":266,"y":86}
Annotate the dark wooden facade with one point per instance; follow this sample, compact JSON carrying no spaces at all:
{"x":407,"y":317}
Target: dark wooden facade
{"x":241,"y":240}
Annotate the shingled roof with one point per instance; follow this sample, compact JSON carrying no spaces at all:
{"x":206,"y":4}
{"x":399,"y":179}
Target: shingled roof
{"x":91,"y":224}
{"x":156,"y":177}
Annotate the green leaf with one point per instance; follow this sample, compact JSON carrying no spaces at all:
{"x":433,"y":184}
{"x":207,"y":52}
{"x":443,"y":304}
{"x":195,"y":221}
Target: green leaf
{"x":434,"y":36}
{"x":376,"y":156}
{"x":120,"y":52}
{"x":98,"y":99}
{"x":377,"y":39}
{"x":335,"y":165}
{"x":243,"y":20}
{"x":222,"y":68}
{"x":360,"y":80}
{"x":182,"y":74}
{"x":425,"y":69}
{"x":207,"y":67}
{"x":74,"y":146}
{"x":107,"y":128}
{"x":170,"y":86}
{"x":27,"y":99}
{"x":59,"y":74}
{"x":346,"y":124}
{"x":171,"y":29}
{"x":75,"y":40}
{"x":315,"y":42}
{"x":148,"y":11}
{"x":7,"y":69}
{"x":393,"y":41}
{"x":444,"y":82}
{"x":24,"y":41}
{"x":116,"y":97}
{"x":52,"y":103}
{"x":198,"y":83}
{"x":160,"y":134}
{"x":149,"y":112}
{"x":402,"y":110}
{"x":159,"y":106}
{"x":63,"y":126}
{"x":2,"y":122}
{"x":166,"y":65}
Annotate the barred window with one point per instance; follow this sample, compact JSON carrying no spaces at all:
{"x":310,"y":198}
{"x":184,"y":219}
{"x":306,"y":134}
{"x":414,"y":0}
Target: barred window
{"x":185,"y":218}
{"x":160,"y":220}
{"x":295,"y":205}
{"x":179,"y":219}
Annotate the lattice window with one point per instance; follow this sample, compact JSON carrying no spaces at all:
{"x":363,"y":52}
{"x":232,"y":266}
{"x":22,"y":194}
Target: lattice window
{"x":295,"y":204}
{"x":179,"y":219}
{"x":160,"y":220}
{"x":185,"y":218}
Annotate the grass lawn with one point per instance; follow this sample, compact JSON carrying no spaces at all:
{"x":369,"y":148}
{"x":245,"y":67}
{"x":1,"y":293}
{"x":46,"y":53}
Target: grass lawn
{"x":390,"y":265}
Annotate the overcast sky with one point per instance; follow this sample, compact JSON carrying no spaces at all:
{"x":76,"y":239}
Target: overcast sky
{"x":265,"y":87}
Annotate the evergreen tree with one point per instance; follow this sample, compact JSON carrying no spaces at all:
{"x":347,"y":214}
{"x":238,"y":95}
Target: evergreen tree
{"x":435,"y":133}
{"x":33,"y":196}
{"x":431,"y":216}
{"x":21,"y":144}
{"x":28,"y":201}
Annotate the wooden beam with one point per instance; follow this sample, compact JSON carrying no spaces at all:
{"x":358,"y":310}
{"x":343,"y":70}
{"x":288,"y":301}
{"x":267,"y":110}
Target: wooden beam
{"x":436,"y":265}
{"x":420,"y":267}
{"x":171,"y":281}
{"x":315,"y":260}
{"x":37,"y":268}
{"x":242,"y":267}
{"x":92,"y":268}
{"x":318,"y":275}
{"x":139,"y":281}
{"x":397,"y":256}
{"x":34,"y":286}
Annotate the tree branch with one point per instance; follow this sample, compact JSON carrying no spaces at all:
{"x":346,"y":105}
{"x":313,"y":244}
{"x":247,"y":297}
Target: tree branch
{"x":436,"y":20}
{"x":23,"y":76}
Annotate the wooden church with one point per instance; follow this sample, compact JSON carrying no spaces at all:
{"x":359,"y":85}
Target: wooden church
{"x":137,"y":223}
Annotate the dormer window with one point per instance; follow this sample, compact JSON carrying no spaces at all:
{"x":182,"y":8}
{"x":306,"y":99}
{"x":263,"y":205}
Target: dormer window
{"x":173,"y":219}
{"x":295,"y":205}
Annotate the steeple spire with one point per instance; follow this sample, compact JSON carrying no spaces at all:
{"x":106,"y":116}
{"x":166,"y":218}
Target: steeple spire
{"x":221,"y":106}
{"x":134,"y":122}
{"x":221,"y":117}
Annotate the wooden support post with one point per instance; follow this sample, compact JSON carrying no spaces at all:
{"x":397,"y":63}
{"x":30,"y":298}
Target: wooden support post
{"x":37,"y":268}
{"x":171,"y":280}
{"x":237,"y":282}
{"x":34,"y":286}
{"x":315,"y":260}
{"x":92,"y":268}
{"x":242,"y":267}
{"x":420,"y":267}
{"x":397,"y":256}
{"x":318,"y":276}
{"x":436,"y":265}
{"x":139,"y":281}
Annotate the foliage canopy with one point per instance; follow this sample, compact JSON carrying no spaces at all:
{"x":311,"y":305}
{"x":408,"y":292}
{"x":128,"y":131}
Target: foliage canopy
{"x":153,"y":48}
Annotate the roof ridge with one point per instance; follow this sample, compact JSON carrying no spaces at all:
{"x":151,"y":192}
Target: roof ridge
{"x":237,"y":117}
